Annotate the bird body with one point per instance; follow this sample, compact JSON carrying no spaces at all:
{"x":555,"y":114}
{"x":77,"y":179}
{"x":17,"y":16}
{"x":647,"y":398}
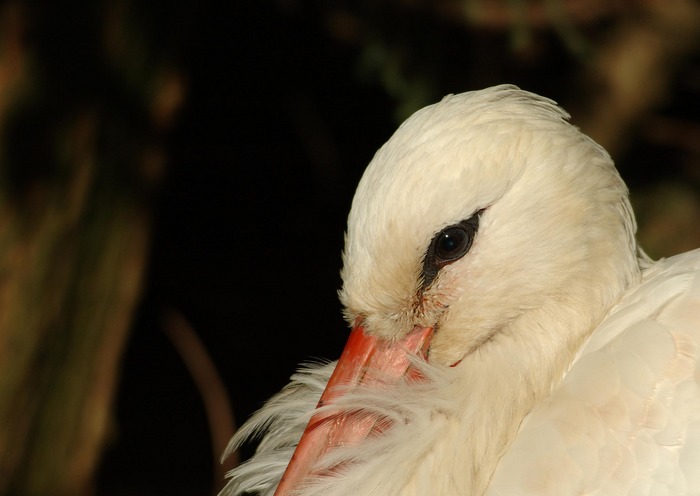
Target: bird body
{"x":554,"y":356}
{"x":626,"y":417}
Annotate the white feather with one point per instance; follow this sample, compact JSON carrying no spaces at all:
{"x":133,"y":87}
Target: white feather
{"x":578,"y":357}
{"x":626,"y":418}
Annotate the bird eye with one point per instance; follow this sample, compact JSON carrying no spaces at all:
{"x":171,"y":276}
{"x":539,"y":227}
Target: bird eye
{"x":449,"y":245}
{"x":452,"y":243}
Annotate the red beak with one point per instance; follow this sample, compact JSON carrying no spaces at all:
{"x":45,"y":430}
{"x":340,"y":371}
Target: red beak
{"x":366,"y":360}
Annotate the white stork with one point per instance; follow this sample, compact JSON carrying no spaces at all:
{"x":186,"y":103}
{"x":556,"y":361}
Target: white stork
{"x":509,"y":337}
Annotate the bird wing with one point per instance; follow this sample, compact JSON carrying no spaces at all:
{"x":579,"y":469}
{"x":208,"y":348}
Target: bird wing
{"x":626,"y":417}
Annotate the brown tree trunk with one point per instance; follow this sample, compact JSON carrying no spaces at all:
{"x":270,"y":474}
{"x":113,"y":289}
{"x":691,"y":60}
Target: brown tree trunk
{"x":79,"y":161}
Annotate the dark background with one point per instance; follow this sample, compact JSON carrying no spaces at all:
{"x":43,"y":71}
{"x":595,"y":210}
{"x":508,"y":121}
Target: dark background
{"x":285,"y":103}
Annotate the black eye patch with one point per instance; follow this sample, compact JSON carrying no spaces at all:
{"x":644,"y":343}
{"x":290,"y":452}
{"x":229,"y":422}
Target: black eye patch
{"x":449,"y":245}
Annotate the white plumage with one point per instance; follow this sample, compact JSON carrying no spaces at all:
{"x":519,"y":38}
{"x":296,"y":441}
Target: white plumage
{"x":563,"y":360}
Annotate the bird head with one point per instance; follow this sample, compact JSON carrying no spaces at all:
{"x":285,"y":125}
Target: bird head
{"x":480,"y":210}
{"x":486,"y":218}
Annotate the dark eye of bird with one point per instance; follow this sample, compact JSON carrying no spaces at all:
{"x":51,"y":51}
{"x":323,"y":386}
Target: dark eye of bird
{"x":449,"y":245}
{"x":452,"y":243}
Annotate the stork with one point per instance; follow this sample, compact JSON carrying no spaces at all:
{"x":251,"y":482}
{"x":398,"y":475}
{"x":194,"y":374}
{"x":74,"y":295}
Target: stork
{"x":508,"y":337}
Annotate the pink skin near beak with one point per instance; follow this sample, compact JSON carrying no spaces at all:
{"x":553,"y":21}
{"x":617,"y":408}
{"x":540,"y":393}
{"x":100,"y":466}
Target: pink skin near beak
{"x":366,"y":360}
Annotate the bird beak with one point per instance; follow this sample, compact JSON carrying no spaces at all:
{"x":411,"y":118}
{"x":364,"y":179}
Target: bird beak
{"x":366,"y":360}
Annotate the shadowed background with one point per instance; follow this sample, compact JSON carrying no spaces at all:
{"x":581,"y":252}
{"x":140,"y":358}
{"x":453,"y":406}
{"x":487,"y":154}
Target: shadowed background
{"x":175,"y":178}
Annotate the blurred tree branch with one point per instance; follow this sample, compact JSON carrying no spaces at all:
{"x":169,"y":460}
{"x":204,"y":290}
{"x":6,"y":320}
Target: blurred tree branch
{"x":211,"y":388}
{"x":80,"y":160}
{"x":633,"y":68}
